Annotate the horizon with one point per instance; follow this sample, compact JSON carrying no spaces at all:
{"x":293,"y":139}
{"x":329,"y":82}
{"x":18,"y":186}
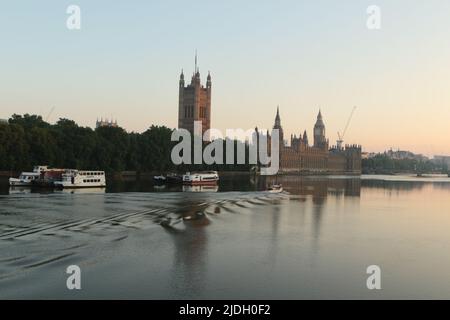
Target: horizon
{"x":322,"y":56}
{"x":106,"y":120}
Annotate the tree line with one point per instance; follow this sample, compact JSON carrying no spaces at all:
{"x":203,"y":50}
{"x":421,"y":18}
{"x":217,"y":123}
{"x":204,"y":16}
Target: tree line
{"x":27,"y":140}
{"x":382,"y":164}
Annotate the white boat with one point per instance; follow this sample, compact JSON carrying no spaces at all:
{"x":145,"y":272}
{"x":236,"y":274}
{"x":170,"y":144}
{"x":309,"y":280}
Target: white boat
{"x":201,"y":178}
{"x":81,"y":179}
{"x":26,"y":178}
{"x":159,"y":178}
{"x":275,"y":188}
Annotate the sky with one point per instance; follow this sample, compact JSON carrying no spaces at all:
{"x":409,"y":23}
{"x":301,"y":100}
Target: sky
{"x":125,"y":63}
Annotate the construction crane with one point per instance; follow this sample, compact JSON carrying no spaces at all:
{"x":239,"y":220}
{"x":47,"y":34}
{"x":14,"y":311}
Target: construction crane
{"x":340,"y":142}
{"x":49,"y":114}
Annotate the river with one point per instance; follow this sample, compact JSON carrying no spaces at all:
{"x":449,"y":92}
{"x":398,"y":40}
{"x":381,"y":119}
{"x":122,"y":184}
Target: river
{"x":313,"y":241}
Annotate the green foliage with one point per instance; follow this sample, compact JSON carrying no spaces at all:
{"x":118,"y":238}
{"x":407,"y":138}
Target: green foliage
{"x":28,"y":140}
{"x":383,"y":164}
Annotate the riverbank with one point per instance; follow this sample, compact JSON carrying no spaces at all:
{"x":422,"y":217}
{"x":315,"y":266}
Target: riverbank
{"x":133,"y":175}
{"x":8,"y":174}
{"x":399,"y":172}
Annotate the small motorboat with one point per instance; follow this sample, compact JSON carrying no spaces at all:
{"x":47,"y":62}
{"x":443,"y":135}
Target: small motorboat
{"x":26,"y":178}
{"x":159,"y":179}
{"x":275,"y":188}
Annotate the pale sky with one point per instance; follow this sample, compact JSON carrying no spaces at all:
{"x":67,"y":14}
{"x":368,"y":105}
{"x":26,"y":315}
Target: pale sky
{"x":126,"y":60}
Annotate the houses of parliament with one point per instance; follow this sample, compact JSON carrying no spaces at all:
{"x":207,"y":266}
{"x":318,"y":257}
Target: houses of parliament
{"x":297,"y":157}
{"x":316,"y":158}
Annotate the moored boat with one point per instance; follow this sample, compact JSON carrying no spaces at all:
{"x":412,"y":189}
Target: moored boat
{"x":26,"y":178}
{"x":174,"y":178}
{"x":201,"y":178}
{"x":81,"y":179}
{"x":159,"y":179}
{"x":275,"y":188}
{"x":48,"y":177}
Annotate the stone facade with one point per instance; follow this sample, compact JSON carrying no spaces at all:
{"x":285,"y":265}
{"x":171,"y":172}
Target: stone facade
{"x":301,"y":157}
{"x":106,"y":123}
{"x":194,"y":103}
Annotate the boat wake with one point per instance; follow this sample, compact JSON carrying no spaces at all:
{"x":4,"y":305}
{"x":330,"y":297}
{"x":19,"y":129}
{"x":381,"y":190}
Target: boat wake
{"x":55,"y":229}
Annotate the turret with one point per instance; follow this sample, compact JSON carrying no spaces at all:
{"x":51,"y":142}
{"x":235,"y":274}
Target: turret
{"x":305,"y":138}
{"x":182,"y":79}
{"x":208,"y":81}
{"x":181,"y":108}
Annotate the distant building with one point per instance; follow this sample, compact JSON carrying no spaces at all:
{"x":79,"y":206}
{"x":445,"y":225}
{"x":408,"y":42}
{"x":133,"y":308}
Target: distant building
{"x":442,"y":160}
{"x":318,"y":158}
{"x":194,"y":102}
{"x":368,"y":155}
{"x":106,"y":123}
{"x":404,"y":155}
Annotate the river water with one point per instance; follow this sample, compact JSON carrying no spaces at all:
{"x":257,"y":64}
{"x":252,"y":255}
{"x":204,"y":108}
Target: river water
{"x":313,"y":241}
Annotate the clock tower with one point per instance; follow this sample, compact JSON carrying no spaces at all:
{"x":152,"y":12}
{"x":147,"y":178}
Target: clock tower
{"x":319,"y":133}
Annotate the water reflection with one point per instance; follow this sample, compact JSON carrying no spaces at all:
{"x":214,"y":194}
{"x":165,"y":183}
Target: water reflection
{"x":318,"y":187}
{"x":403,"y":185}
{"x":190,"y":258}
{"x":212,"y":188}
{"x":235,"y":241}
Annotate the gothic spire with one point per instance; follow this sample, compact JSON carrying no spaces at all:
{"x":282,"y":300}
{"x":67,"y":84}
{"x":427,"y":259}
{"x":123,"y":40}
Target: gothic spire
{"x":277,"y":118}
{"x":196,"y":66}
